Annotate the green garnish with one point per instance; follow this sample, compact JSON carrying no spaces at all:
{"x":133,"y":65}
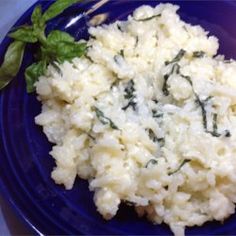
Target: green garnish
{"x":180,"y":166}
{"x":199,"y":54}
{"x":148,"y":18}
{"x":155,"y":114}
{"x":129,"y":94}
{"x":154,"y":138}
{"x":202,"y":104}
{"x":12,"y":62}
{"x":122,"y":53}
{"x":177,"y":58}
{"x":152,"y":135}
{"x":103,"y":119}
{"x":152,"y":161}
{"x":175,"y":69}
{"x":57,"y":46}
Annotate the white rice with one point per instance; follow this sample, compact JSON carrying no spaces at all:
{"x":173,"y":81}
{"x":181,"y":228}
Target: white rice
{"x":171,"y":167}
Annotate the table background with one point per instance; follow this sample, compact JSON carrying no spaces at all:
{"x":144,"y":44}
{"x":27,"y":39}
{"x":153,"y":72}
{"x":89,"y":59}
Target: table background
{"x":10,"y":11}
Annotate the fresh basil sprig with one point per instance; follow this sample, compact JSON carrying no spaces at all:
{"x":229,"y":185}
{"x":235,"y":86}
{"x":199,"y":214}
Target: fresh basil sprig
{"x":54,"y":48}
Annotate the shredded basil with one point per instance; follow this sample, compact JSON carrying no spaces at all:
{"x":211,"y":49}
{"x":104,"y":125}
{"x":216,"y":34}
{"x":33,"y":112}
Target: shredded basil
{"x":119,"y":28}
{"x":154,"y":138}
{"x":129,"y":94}
{"x":122,"y":53}
{"x":161,"y":141}
{"x":152,"y":135}
{"x":148,"y":18}
{"x":152,"y":161}
{"x":177,"y":58}
{"x":93,"y":37}
{"x":129,"y":90}
{"x":215,"y":126}
{"x":203,"y":110}
{"x":136,"y":41}
{"x":175,"y":69}
{"x":202,"y":104}
{"x":103,"y":119}
{"x":131,"y":103}
{"x":199,"y":54}
{"x":155,"y":114}
{"x":180,"y":166}
{"x":227,"y":133}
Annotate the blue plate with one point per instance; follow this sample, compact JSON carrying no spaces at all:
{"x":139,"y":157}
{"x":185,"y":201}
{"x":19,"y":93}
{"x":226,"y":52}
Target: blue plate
{"x":25,"y":164}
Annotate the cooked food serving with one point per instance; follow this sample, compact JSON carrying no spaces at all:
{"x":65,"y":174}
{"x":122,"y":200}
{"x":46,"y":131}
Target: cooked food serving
{"x":147,"y":114}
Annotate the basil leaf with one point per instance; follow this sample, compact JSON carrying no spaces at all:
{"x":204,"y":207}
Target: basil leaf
{"x":38,"y":24}
{"x":36,"y":17}
{"x":24,"y":34}
{"x":103,"y":119}
{"x":56,"y":36}
{"x":69,"y":50}
{"x":148,"y":18}
{"x":180,"y":166}
{"x":12,"y":62}
{"x":32,"y":74}
{"x":57,"y":7}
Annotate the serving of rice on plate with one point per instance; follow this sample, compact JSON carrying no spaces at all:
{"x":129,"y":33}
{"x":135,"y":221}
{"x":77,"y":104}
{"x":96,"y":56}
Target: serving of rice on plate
{"x":148,"y":118}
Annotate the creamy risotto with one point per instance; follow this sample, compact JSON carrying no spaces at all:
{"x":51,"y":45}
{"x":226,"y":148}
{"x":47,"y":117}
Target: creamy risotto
{"x":148,"y":117}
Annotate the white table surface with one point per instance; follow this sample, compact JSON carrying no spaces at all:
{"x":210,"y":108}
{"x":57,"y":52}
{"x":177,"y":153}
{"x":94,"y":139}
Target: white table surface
{"x":10,"y":11}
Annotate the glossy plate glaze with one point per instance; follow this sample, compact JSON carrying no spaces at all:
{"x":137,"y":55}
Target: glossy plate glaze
{"x":25,"y":164}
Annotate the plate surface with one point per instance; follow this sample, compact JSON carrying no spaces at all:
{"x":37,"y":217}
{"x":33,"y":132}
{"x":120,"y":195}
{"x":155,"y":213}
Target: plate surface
{"x":25,"y":164}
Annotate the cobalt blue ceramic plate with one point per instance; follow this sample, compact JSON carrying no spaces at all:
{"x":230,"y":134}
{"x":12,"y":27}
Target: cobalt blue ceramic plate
{"x":25,"y":164}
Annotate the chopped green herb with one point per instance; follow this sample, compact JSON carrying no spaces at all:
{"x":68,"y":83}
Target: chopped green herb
{"x":148,"y":18}
{"x":203,"y":110}
{"x":93,"y":37}
{"x":136,"y":41}
{"x":177,"y":58}
{"x":198,"y":54}
{"x":188,"y":78}
{"x":122,"y":53}
{"x":115,"y":83}
{"x":103,"y":119}
{"x":227,"y":133}
{"x":161,"y":141}
{"x":154,"y":138}
{"x":202,"y":104}
{"x":129,"y":94}
{"x":165,"y":88}
{"x":152,"y":161}
{"x":90,"y":136}
{"x":131,"y":103}
{"x":155,"y":114}
{"x":215,"y":126}
{"x":152,"y":135}
{"x":119,"y":28}
{"x":180,"y":166}
{"x":175,"y":69}
{"x":129,"y":90}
